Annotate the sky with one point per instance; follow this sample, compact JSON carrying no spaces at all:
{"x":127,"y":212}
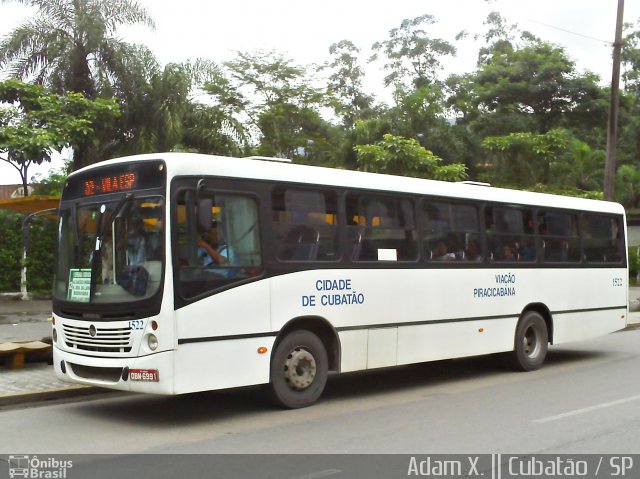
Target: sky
{"x":303,"y":31}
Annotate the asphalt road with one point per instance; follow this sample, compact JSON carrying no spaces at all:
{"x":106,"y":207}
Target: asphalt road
{"x":585,"y":400}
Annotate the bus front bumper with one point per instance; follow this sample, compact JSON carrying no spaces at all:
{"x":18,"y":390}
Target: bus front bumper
{"x":151,"y":374}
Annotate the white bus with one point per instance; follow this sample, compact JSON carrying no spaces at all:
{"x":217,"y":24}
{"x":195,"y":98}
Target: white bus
{"x":179,"y":273}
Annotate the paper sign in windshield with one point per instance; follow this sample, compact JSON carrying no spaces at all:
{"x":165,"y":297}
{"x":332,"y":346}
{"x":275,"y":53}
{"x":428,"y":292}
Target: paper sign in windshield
{"x":80,"y":285}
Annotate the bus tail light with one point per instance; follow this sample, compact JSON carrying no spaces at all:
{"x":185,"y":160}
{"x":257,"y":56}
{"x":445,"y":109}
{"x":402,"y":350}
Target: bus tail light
{"x":154,"y":325}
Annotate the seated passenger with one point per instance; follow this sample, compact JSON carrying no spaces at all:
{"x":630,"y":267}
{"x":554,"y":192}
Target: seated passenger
{"x":473,"y":251}
{"x":507,"y":254}
{"x":527,"y":253}
{"x":441,"y":252}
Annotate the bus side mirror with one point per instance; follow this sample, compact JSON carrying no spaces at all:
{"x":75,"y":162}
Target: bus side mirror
{"x":205,"y":216}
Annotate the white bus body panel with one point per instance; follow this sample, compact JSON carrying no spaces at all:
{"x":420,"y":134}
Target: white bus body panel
{"x":213,"y":362}
{"x":455,"y":317}
{"x":232,"y":363}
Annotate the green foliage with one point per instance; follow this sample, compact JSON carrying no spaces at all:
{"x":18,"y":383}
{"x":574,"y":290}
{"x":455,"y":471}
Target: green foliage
{"x":525,"y":158}
{"x":628,"y":185}
{"x":525,"y":116}
{"x":634,"y":263}
{"x":10,"y":251}
{"x":344,"y":87}
{"x":37,"y":123}
{"x":411,"y":54}
{"x":561,"y":190}
{"x":285,"y":114}
{"x":40,"y":255}
{"x":53,"y":183}
{"x":73,"y":46}
{"x":396,"y":155}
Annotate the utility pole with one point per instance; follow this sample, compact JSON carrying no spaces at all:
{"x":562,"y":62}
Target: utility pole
{"x":612,"y":133}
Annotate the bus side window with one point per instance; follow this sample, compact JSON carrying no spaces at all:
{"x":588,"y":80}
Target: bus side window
{"x":602,"y":239}
{"x":558,"y":233}
{"x":510,"y":235}
{"x":381,"y":229}
{"x":452,"y":232}
{"x":305,"y":224}
{"x":229,"y":252}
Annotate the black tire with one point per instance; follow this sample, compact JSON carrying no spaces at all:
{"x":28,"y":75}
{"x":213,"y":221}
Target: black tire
{"x":299,"y":368}
{"x":531,"y":342}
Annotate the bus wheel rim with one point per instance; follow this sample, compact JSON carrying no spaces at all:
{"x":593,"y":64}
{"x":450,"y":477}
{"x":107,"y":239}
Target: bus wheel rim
{"x":532,"y":341}
{"x":300,"y":369}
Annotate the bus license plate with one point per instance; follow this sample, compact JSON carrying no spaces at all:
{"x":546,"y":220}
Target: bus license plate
{"x":143,"y":375}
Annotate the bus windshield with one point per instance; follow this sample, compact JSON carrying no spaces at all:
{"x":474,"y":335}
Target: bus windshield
{"x":110,"y":251}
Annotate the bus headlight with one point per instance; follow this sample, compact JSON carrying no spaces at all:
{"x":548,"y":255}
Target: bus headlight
{"x":54,"y":334}
{"x":152,"y":342}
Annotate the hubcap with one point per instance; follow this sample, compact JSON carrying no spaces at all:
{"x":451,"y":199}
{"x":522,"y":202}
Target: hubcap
{"x":300,"y":369}
{"x":532,"y":342}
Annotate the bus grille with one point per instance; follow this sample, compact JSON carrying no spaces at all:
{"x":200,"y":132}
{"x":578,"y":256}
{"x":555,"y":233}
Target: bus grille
{"x":106,"y":340}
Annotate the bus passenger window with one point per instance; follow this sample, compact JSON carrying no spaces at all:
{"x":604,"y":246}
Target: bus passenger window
{"x":305,"y":224}
{"x":510,"y":234}
{"x":451,"y":232}
{"x":218,"y":241}
{"x":558,"y":233}
{"x":602,"y":239}
{"x":381,"y":229}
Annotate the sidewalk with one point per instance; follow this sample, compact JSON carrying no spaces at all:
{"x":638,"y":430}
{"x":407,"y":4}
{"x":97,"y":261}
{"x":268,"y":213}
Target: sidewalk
{"x":22,"y":321}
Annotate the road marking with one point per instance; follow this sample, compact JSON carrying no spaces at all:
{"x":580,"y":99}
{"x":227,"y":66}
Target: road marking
{"x":586,"y":409}
{"x":316,"y":475}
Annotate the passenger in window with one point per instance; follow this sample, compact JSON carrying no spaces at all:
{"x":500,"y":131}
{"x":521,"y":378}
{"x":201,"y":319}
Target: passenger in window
{"x":508,"y":254}
{"x":136,"y":241}
{"x":563,"y":248}
{"x":212,"y":251}
{"x":441,"y":252}
{"x":473,"y":251}
{"x":454,"y":247}
{"x":526,"y":251}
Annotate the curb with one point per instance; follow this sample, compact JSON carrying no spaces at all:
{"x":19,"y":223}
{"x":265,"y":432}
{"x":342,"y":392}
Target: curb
{"x":65,"y":392}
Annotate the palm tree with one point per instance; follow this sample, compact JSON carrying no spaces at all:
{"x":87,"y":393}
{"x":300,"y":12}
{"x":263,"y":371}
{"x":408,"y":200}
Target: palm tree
{"x":70,"y":45}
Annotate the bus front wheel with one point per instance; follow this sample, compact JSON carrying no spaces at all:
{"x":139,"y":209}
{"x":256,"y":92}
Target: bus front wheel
{"x":531,"y":342}
{"x":299,"y":368}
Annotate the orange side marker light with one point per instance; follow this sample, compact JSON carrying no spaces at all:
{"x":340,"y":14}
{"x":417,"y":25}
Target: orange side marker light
{"x":262,"y":350}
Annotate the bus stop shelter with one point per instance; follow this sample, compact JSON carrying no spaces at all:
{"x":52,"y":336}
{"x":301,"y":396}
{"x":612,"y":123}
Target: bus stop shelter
{"x":29,"y":207}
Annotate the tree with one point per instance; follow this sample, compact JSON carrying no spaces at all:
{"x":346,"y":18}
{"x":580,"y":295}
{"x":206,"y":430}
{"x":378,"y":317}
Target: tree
{"x":525,"y":158}
{"x":628,"y":188}
{"x":345,"y":84}
{"x":411,"y":54}
{"x":71,"y":46}
{"x":581,"y":167}
{"x":53,"y":183}
{"x":396,"y":155}
{"x":281,"y":103}
{"x":537,"y":83}
{"x":35,"y":123}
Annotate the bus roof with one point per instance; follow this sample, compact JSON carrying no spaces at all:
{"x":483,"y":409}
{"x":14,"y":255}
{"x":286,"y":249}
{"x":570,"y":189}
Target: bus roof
{"x":191,"y":164}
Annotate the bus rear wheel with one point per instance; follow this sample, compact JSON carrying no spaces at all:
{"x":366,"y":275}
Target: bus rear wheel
{"x":531,"y":342}
{"x":299,"y":368}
